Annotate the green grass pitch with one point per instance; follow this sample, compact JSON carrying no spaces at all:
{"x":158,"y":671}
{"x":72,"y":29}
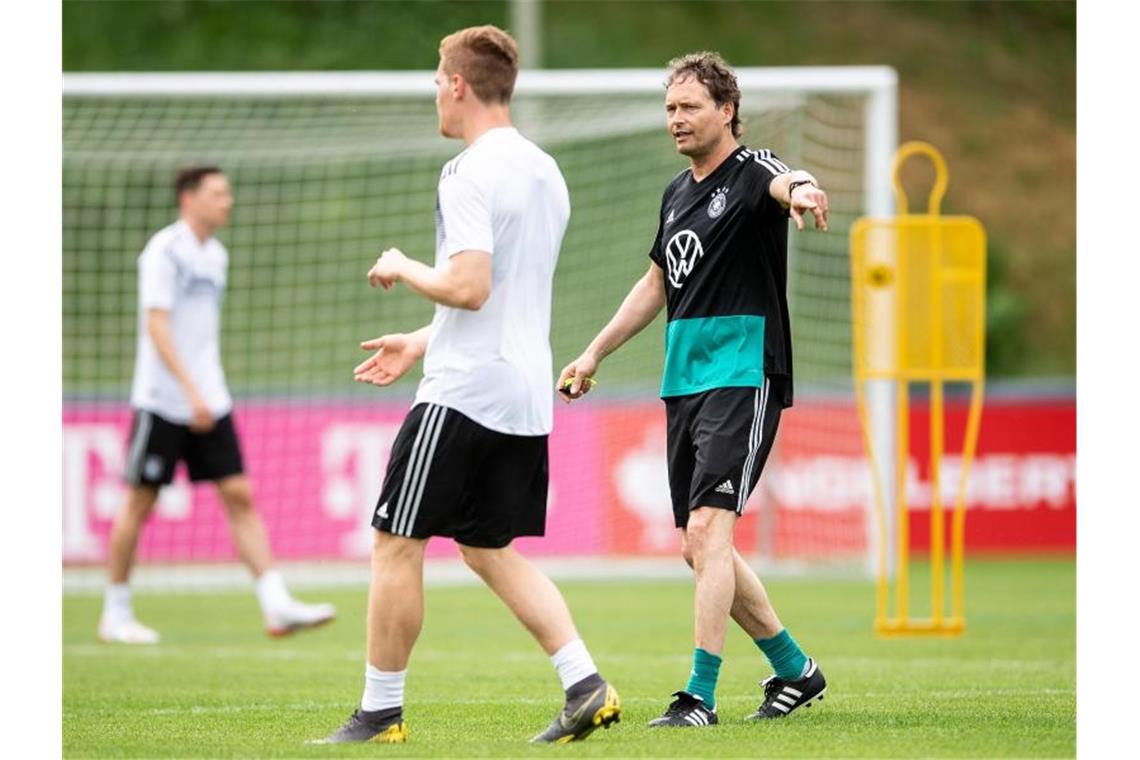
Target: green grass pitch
{"x":478,"y":686}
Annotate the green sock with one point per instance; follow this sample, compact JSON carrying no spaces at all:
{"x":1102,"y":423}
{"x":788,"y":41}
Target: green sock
{"x":787,"y":659}
{"x":702,"y":679}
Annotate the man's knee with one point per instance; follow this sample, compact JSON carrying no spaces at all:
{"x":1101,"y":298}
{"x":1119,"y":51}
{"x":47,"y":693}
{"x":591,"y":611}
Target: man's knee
{"x":478,"y":558}
{"x":237,"y":495}
{"x":707,"y":534}
{"x":140,"y":502}
{"x":698,"y":531}
{"x":686,"y":547}
{"x":387,"y":547}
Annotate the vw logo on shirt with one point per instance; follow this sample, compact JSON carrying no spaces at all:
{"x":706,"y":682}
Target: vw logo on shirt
{"x":681,"y":254}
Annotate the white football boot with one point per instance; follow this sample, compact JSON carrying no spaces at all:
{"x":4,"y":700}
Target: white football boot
{"x":297,"y":616}
{"x":126,"y":630}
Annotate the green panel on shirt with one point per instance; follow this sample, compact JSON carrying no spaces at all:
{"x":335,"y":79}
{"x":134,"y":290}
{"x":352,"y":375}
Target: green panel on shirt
{"x":713,"y":352}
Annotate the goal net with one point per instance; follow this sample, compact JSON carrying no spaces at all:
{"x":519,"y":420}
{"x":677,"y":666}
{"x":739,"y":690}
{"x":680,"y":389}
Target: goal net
{"x":329,"y":169}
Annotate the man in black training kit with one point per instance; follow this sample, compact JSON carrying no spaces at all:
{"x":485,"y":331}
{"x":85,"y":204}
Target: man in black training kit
{"x":719,"y":265}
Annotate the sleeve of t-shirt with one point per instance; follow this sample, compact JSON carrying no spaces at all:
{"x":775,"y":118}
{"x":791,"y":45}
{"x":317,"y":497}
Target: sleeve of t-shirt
{"x":766,"y":166}
{"x":465,"y":216}
{"x":158,"y":276}
{"x":656,"y":253}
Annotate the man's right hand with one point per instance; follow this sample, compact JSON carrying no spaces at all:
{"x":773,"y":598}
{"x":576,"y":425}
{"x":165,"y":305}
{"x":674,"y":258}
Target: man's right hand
{"x":201,"y":419}
{"x":395,"y":354}
{"x":577,"y":373}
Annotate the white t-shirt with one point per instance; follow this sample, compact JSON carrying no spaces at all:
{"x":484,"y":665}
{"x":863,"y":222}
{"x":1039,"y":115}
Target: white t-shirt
{"x":505,"y":196}
{"x":182,"y":275}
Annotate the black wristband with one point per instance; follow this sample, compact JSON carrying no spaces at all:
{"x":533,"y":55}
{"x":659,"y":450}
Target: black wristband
{"x":792,"y":186}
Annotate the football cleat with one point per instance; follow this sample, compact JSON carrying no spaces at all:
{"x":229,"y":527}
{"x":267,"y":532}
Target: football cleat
{"x":380,"y":726}
{"x":687,"y":710}
{"x":297,"y":616}
{"x":126,"y":631}
{"x":781,"y":696}
{"x":580,"y":716}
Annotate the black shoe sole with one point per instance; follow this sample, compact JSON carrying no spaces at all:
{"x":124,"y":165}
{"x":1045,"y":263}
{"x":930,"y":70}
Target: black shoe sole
{"x":817,"y":698}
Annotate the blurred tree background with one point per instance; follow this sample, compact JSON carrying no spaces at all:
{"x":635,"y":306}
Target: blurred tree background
{"x":992,"y":84}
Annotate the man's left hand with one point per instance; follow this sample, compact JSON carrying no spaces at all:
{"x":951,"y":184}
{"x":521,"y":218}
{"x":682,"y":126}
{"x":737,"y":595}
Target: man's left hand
{"x":809,"y":198}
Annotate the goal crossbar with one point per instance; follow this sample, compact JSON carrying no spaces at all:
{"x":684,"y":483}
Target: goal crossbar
{"x":837,"y":79}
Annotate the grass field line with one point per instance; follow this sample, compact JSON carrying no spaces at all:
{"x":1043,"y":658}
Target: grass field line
{"x":221,"y":653}
{"x":307,"y":707}
{"x":940,"y":663}
{"x":439,"y":572}
{"x":627,"y":700}
{"x":270,"y":652}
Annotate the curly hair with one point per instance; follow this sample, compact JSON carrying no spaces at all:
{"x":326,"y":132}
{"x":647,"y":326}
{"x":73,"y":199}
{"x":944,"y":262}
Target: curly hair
{"x":709,"y":69}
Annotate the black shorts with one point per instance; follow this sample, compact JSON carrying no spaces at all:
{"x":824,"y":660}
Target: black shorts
{"x":718,"y":444}
{"x":156,"y":445}
{"x":450,"y":476}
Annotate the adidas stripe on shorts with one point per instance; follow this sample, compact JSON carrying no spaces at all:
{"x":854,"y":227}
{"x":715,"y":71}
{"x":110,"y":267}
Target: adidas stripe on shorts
{"x":449,"y":476}
{"x":156,"y":445}
{"x":718,"y":443}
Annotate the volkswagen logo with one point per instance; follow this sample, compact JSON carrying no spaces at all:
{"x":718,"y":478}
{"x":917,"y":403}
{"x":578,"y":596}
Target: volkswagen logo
{"x":681,"y":254}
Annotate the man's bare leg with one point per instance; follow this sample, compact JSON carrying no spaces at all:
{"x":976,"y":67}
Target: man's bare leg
{"x":117,"y":622}
{"x":752,"y":610}
{"x":709,"y":535}
{"x":125,"y":532}
{"x":538,"y":604}
{"x":282,"y":613}
{"x":708,"y":544}
{"x":247,"y":529}
{"x":528,"y":593}
{"x":395,"y":617}
{"x":395,"y":600}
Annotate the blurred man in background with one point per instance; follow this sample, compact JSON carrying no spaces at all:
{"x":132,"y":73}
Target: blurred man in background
{"x":470,"y":461}
{"x":182,"y":409}
{"x":719,"y":265}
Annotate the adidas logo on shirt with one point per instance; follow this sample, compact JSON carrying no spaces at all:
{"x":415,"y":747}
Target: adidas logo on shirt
{"x":726,"y":488}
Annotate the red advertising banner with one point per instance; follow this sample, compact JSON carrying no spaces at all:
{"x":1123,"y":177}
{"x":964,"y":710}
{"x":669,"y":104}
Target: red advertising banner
{"x":317,"y":469}
{"x":812,"y":500}
{"x":1021,"y":493}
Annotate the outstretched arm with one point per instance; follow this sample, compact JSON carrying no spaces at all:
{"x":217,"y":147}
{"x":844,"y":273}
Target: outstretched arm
{"x":799,"y":192}
{"x":638,"y":309}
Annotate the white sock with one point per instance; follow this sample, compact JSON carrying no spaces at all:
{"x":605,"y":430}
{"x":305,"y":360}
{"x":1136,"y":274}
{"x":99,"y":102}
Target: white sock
{"x":383,"y":689}
{"x":117,"y":601}
{"x":272,"y":594}
{"x":573,"y":663}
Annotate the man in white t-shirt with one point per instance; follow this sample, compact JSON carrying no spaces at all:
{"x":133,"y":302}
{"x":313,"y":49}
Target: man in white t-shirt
{"x":470,"y":461}
{"x":182,"y":408}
